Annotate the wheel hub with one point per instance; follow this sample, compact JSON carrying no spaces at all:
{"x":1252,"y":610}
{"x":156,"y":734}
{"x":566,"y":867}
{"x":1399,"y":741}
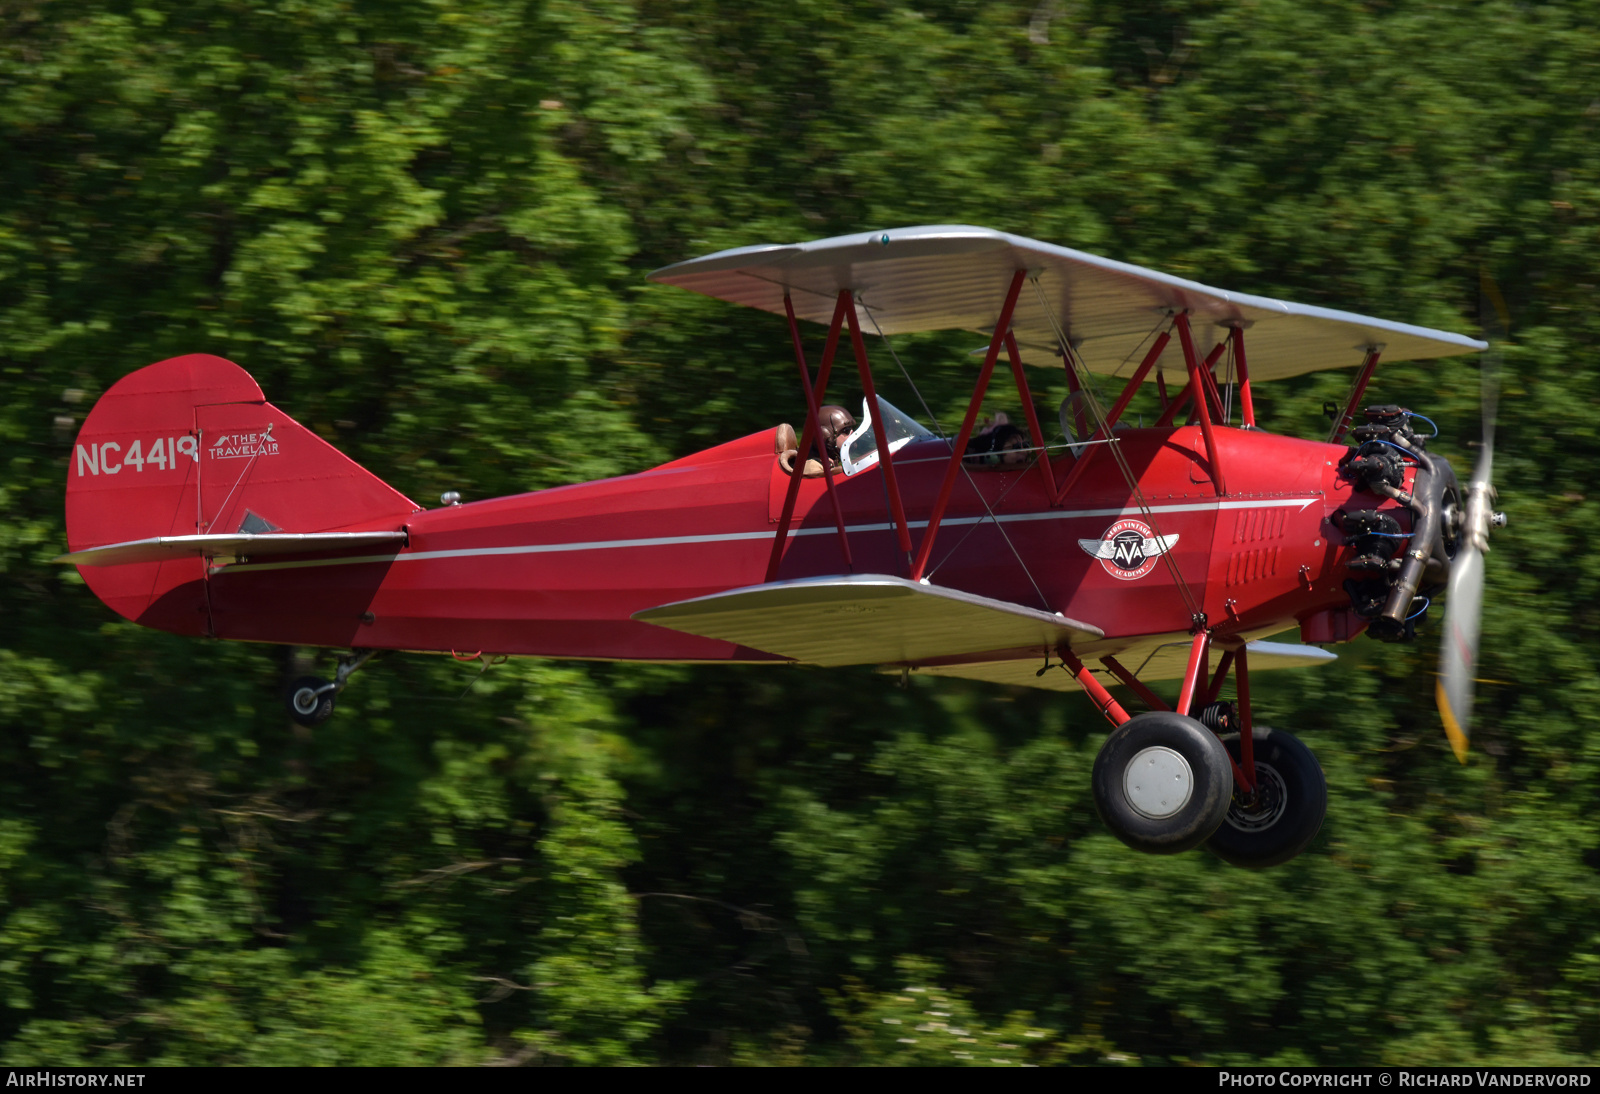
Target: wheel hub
{"x":1159,"y":782}
{"x":1262,"y":809}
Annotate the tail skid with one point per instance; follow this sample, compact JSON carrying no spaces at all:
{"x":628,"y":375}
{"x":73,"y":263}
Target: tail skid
{"x":185,"y":460}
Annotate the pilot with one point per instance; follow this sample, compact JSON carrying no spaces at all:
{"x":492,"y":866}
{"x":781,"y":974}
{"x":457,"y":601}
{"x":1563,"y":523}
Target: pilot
{"x":998,"y":444}
{"x":834,"y":424}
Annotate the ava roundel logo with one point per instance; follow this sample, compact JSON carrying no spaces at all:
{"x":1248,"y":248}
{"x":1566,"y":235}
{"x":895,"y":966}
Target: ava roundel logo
{"x":1128,"y":549}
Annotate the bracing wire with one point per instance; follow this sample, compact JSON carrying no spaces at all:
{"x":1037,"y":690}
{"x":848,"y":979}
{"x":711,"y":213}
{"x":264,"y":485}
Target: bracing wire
{"x":926,"y":409}
{"x":1073,"y":362}
{"x":1000,"y":527}
{"x":267,"y":437}
{"x":948,"y":555}
{"x":1124,"y":364}
{"x":1002,"y":530}
{"x":938,"y":429}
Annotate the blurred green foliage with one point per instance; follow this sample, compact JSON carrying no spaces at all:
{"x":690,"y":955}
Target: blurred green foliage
{"x":423,"y":227}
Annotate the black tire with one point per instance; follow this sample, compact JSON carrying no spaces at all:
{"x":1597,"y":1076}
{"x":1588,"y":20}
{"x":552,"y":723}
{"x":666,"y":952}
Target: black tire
{"x":1138,"y":813}
{"x":308,"y":704}
{"x":1286,"y":813}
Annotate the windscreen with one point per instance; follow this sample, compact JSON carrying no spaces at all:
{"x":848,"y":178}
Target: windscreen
{"x":860,"y":449}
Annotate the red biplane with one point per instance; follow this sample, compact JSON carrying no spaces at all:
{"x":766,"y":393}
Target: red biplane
{"x":1109,"y":555}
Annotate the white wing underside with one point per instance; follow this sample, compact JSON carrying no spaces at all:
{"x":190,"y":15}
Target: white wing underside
{"x":955,"y":277}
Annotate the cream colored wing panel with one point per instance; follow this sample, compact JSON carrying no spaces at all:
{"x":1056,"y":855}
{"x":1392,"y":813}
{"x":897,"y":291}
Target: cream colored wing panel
{"x":1165,"y":662}
{"x":1169,"y":660}
{"x":866,"y":619}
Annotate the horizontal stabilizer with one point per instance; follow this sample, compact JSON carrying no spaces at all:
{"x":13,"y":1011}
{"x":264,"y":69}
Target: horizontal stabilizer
{"x":865,"y":619}
{"x":1165,"y":662}
{"x":238,"y":545}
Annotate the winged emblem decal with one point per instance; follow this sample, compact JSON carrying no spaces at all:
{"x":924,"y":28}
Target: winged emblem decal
{"x":1128,"y":549}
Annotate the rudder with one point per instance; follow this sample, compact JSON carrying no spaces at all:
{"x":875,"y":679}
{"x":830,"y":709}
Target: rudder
{"x":188,"y":446}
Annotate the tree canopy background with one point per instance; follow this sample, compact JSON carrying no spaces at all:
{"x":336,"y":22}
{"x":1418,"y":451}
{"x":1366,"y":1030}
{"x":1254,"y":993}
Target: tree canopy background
{"x":423,"y":226}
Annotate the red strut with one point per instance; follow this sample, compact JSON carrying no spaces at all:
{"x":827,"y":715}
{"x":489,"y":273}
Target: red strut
{"x":1102,"y":698}
{"x":897,"y":508}
{"x":806,"y":439}
{"x":1191,"y":677}
{"x":814,"y":429}
{"x":925,"y":548}
{"x":1197,"y":384}
{"x":1247,"y":403}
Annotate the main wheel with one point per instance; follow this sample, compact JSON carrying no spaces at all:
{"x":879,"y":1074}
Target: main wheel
{"x":309,"y":704}
{"x":1161,"y":782}
{"x":1283,"y":816}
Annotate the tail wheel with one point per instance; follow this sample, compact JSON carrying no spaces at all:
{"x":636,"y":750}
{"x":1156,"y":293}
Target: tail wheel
{"x":1161,"y":783}
{"x":310,"y":700}
{"x":1283,"y":816}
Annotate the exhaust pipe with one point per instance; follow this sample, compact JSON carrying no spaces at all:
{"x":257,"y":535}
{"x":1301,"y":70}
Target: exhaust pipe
{"x":1434,"y":501}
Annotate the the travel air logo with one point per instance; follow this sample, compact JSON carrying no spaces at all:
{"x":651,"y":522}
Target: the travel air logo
{"x":1128,"y":549}
{"x":242,"y":446}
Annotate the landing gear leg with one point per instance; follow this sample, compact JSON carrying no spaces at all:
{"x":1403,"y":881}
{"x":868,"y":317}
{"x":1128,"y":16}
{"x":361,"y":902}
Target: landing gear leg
{"x":1280,"y":795}
{"x":1162,"y":780}
{"x":311,"y":698}
{"x":1281,"y":815}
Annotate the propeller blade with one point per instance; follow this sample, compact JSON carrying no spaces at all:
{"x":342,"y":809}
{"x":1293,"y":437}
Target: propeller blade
{"x":1458,"y":647}
{"x":1463,"y":614}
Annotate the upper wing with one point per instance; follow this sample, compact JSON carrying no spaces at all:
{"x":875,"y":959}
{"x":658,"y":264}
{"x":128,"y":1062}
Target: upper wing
{"x":866,"y":619}
{"x":944,"y":277}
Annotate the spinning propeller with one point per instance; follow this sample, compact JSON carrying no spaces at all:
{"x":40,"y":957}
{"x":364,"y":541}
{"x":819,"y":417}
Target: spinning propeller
{"x":1463,"y":616}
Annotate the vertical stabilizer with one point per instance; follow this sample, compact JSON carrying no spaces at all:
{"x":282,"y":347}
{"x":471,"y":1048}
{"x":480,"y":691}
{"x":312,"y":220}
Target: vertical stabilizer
{"x":190,"y":446}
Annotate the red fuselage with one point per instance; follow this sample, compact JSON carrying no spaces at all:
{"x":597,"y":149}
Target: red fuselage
{"x":559,"y":573}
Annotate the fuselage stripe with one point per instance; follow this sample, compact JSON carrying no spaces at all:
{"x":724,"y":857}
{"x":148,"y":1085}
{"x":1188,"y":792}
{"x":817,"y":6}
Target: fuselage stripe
{"x":735,"y":537}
